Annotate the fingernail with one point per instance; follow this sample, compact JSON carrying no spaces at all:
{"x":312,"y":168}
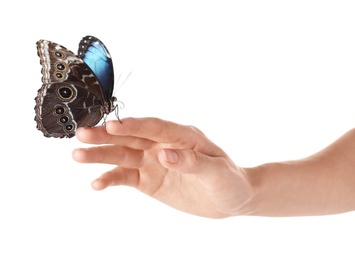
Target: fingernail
{"x":171,"y":156}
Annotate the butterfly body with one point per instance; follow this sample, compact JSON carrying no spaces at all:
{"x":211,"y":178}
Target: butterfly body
{"x":76,"y":90}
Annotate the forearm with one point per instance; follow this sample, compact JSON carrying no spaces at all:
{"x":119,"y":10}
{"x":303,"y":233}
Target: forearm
{"x":321,"y":184}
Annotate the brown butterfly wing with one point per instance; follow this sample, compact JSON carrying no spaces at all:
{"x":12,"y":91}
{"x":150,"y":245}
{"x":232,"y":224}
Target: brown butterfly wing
{"x":70,"y":96}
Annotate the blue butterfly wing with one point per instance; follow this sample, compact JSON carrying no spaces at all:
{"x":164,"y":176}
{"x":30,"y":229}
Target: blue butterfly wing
{"x":95,"y":54}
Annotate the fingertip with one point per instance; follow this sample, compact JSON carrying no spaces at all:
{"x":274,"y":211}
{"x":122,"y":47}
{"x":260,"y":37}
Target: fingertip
{"x":78,"y":154}
{"x":98,"y":184}
{"x":82,"y":133}
{"x":82,"y":130}
{"x":186,"y":161}
{"x":79,"y":130}
{"x":114,"y":126}
{"x":96,"y":134}
{"x":123,"y":126}
{"x":169,"y":156}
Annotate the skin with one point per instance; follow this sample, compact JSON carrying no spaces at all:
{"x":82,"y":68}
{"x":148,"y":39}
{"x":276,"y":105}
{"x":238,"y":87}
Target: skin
{"x":179,"y":166}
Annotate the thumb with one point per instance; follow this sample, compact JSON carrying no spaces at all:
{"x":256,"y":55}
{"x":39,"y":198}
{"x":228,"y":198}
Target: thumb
{"x":187,"y":161}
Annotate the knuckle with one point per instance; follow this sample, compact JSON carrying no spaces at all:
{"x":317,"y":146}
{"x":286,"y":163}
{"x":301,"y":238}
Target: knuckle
{"x":195,"y":159}
{"x":195,"y":129}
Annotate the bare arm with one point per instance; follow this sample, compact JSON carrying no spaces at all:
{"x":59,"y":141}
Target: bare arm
{"x":323,"y":183}
{"x":179,"y":166}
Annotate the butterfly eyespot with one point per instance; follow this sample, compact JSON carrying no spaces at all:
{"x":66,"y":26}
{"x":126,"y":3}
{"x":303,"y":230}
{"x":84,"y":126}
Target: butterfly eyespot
{"x":59,"y":110}
{"x":59,"y":75}
{"x":59,"y":54}
{"x":60,"y":66}
{"x":69,"y":127}
{"x":64,"y":119}
{"x":65,"y":93}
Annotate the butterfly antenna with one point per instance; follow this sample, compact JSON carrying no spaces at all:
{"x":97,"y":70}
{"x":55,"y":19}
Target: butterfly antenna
{"x":125,"y":79}
{"x":121,"y":105}
{"x":117,"y":81}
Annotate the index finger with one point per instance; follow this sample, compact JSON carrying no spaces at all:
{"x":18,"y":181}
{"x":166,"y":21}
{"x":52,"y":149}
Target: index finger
{"x":169,"y":134}
{"x":99,"y":135}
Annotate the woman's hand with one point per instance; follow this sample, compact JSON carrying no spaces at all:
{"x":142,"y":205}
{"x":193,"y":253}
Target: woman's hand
{"x":175,"y":164}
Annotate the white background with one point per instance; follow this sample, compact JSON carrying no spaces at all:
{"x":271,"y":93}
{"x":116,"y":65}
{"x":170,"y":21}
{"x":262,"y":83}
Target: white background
{"x":265,"y":80}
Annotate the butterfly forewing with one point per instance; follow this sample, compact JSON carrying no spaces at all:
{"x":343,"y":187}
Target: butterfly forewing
{"x":95,"y":54}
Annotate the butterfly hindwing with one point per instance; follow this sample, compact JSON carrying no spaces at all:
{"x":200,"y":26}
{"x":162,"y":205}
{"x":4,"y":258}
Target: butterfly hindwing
{"x":71,"y":95}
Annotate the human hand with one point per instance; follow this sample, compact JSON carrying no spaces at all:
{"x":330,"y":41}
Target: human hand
{"x":175,"y":164}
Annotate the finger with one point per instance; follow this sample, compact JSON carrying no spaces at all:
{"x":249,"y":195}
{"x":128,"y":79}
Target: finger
{"x":193,"y":162}
{"x":99,"y":135}
{"x":109,"y":154}
{"x":117,"y":176}
{"x":151,"y":128}
{"x":172,"y":134}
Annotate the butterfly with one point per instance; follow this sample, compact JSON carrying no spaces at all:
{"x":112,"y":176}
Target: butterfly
{"x":77,"y":90}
